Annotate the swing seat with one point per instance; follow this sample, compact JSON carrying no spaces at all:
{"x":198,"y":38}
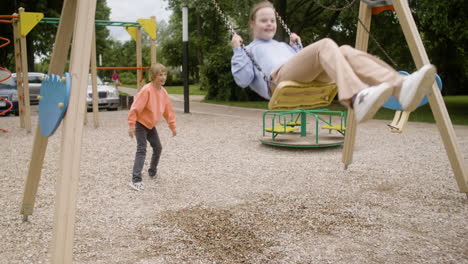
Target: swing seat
{"x":293,"y":95}
{"x":280,"y":129}
{"x":292,"y":123}
{"x":334,"y":127}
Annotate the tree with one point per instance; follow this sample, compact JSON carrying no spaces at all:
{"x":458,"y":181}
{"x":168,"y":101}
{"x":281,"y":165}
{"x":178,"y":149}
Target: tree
{"x":444,"y":30}
{"x":38,"y":41}
{"x":41,"y":39}
{"x":442,"y":26}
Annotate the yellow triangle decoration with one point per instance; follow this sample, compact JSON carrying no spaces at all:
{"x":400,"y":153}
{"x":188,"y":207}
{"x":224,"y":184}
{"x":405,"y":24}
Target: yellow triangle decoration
{"x":132,"y":31}
{"x":149,"y":25}
{"x":28,"y":20}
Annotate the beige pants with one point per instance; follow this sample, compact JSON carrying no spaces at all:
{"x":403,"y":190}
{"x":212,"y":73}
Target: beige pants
{"x":351,"y":69}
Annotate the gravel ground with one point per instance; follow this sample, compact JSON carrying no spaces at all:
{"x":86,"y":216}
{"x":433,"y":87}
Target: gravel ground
{"x":222,"y":197}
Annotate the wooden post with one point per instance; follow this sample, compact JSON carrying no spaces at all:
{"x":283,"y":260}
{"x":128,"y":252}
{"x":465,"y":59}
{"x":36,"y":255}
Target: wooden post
{"x":19,"y":69}
{"x":67,"y":181}
{"x":139,"y":58}
{"x":153,"y":47}
{"x":94,"y":81}
{"x":439,"y":110}
{"x":56,"y":66}
{"x":362,"y":41}
{"x":436,"y":101}
{"x":25,"y":87}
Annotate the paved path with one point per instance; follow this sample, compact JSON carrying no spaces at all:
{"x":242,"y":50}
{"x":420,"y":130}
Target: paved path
{"x":196,"y":106}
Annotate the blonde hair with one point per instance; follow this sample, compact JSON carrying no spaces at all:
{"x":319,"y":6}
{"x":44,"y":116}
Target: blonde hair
{"x":258,"y":6}
{"x":156,"y":70}
{"x":254,"y":10}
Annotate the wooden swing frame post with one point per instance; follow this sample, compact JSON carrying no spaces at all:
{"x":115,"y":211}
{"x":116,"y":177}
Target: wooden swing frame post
{"x":436,"y":102}
{"x":56,"y":66}
{"x":362,"y":42}
{"x":94,"y":82}
{"x":19,"y":67}
{"x":139,"y":61}
{"x":77,"y":20}
{"x":67,"y":180}
{"x":22,"y":81}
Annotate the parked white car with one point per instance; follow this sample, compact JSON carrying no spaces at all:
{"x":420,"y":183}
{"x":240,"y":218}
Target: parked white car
{"x":108,"y":96}
{"x":35,"y":82}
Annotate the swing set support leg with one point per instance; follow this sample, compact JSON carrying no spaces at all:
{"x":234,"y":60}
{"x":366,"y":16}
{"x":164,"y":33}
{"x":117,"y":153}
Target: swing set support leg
{"x":436,"y":102}
{"x":362,"y":41}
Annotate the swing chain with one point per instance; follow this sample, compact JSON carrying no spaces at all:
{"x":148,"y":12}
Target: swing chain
{"x":266,"y":77}
{"x":221,"y":14}
{"x":286,"y":28}
{"x":395,"y":65}
{"x":350,"y":4}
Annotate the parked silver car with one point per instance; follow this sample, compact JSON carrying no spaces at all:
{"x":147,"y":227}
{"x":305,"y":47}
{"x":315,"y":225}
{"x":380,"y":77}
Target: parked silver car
{"x":35,"y":82}
{"x":108,"y":96}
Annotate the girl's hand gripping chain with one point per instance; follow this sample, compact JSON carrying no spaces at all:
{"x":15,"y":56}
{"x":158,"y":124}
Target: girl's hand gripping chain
{"x":236,"y":41}
{"x":294,"y":39}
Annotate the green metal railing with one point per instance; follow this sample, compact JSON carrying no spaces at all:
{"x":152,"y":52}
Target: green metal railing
{"x":281,"y":117}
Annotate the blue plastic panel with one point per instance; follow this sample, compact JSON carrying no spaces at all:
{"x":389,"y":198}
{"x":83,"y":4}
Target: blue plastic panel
{"x":393,"y":103}
{"x":53,"y":104}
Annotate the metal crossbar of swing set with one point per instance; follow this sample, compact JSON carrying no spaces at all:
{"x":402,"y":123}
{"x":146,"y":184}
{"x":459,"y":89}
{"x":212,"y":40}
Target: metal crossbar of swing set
{"x":8,"y":16}
{"x":56,"y":20}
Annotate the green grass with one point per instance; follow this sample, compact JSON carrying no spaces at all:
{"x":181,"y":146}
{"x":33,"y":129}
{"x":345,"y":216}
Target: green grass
{"x":457,"y":107}
{"x":194,"y":89}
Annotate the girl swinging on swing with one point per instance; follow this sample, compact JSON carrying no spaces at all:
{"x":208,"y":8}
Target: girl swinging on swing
{"x":364,"y":81}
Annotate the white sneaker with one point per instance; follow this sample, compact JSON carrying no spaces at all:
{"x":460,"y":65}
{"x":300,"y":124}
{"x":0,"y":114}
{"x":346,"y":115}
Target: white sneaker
{"x":368,"y":101}
{"x":137,"y":186}
{"x":416,"y":86}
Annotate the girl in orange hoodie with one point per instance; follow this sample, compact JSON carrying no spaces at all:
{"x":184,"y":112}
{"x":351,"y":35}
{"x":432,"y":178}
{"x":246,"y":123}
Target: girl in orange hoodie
{"x":151,"y":104}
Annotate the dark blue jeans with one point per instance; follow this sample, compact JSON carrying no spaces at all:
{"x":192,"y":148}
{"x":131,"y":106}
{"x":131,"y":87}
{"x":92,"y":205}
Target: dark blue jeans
{"x":142,"y":134}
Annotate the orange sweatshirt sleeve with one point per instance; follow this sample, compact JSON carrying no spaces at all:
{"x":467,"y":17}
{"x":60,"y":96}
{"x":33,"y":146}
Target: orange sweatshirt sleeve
{"x":139,"y":104}
{"x":169,"y":113}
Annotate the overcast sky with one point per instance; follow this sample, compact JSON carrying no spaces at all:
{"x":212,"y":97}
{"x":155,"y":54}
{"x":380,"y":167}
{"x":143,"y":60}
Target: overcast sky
{"x":131,"y":10}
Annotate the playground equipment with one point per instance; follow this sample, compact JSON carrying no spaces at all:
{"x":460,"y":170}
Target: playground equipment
{"x":293,"y":95}
{"x":6,"y":105}
{"x":77,"y":23}
{"x":77,"y":20}
{"x":290,"y":95}
{"x":401,"y":117}
{"x":298,"y":100}
{"x":287,"y":123}
{"x":134,"y":30}
{"x":420,"y":58}
{"x":8,"y":75}
{"x":436,"y":101}
{"x":22,"y":23}
{"x":53,"y":102}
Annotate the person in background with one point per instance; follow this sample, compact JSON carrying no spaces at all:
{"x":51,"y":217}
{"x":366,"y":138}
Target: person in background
{"x":115,"y":79}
